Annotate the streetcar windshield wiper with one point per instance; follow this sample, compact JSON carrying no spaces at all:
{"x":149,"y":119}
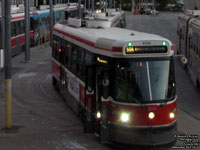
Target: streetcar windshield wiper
{"x":128,"y":93}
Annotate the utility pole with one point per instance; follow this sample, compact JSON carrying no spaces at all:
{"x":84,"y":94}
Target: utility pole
{"x":89,"y":5}
{"x":120,"y":5}
{"x":27,"y":20}
{"x":3,"y":23}
{"x":133,"y":5}
{"x":92,"y":5}
{"x":8,"y":65}
{"x":153,"y":6}
{"x":51,"y":21}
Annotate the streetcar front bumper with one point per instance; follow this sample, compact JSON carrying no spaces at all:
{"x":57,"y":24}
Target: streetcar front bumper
{"x":144,"y":136}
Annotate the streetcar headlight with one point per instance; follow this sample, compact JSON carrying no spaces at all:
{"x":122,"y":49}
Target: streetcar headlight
{"x":171,"y":115}
{"x":98,"y":114}
{"x":151,"y":115}
{"x":124,"y":117}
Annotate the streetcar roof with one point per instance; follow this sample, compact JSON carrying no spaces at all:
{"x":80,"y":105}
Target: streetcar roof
{"x":105,"y":38}
{"x":113,"y":33}
{"x":195,"y":21}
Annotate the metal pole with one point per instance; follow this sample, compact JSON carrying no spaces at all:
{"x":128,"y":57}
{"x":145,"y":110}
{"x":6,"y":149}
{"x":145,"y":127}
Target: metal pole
{"x":79,"y":9}
{"x":153,"y":6}
{"x":27,"y":28}
{"x":120,"y":5}
{"x":8,"y":65}
{"x":89,"y":5}
{"x":133,"y":5}
{"x":36,"y":3}
{"x":110,"y":3}
{"x":3,"y":23}
{"x":92,"y":5}
{"x":51,"y":21}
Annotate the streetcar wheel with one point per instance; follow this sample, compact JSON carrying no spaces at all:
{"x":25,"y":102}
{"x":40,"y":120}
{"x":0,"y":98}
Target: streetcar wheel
{"x":55,"y":84}
{"x":198,"y":84}
{"x":54,"y":81}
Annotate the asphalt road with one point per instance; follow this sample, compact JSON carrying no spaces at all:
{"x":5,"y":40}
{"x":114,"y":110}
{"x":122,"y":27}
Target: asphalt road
{"x":41,"y":119}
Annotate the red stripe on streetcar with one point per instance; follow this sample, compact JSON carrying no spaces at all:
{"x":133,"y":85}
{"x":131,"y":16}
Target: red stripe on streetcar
{"x":114,"y":49}
{"x":13,"y":42}
{"x":31,"y":34}
{"x":18,"y":17}
{"x":22,"y":39}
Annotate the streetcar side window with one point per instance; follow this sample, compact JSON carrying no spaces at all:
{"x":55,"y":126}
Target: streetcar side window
{"x":80,"y":63}
{"x":67,"y":54}
{"x":13,"y":29}
{"x":62,"y":52}
{"x":17,"y":28}
{"x":22,"y":27}
{"x":55,"y":47}
{"x":74,"y":59}
{"x":88,"y":59}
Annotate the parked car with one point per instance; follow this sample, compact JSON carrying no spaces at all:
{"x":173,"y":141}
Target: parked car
{"x":177,"y":9}
{"x":149,"y":11}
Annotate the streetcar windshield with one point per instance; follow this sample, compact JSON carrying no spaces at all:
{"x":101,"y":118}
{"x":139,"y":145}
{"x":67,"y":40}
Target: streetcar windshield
{"x":144,"y":81}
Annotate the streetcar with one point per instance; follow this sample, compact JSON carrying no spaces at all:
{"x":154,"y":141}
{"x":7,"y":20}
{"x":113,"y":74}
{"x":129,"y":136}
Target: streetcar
{"x":188,"y":32}
{"x":120,"y":82}
{"x":40,"y":21}
{"x":39,"y":29}
{"x":17,"y":33}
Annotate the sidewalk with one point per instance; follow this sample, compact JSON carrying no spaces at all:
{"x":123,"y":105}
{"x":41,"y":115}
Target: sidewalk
{"x":19,"y":65}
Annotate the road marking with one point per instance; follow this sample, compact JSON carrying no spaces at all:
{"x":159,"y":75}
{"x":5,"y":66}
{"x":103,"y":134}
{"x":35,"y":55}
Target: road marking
{"x":26,"y":75}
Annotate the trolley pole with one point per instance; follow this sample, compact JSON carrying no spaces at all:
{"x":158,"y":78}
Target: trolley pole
{"x":51,"y":21}
{"x":27,"y":28}
{"x":8,"y":65}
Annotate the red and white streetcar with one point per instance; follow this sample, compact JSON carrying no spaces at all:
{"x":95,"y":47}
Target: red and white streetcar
{"x":120,"y":82}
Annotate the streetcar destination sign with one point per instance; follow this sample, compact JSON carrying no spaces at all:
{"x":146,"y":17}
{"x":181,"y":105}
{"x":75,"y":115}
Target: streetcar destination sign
{"x":145,"y":49}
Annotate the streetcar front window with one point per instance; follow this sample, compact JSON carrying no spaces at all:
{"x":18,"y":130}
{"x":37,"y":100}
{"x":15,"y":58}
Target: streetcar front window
{"x":144,"y":81}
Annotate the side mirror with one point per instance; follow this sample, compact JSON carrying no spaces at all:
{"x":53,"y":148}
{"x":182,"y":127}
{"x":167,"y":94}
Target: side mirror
{"x":184,"y":60}
{"x":105,"y":82}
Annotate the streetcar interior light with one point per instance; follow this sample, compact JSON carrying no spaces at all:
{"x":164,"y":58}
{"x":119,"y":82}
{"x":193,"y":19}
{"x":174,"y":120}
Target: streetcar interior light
{"x":164,"y":44}
{"x":171,"y":115}
{"x":98,"y":114}
{"x":102,"y":60}
{"x":124,"y":117}
{"x":151,"y":115}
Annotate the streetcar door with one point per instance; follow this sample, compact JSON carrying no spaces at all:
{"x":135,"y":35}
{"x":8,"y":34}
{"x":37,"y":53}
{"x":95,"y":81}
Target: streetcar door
{"x":89,"y":108}
{"x":104,"y":132}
